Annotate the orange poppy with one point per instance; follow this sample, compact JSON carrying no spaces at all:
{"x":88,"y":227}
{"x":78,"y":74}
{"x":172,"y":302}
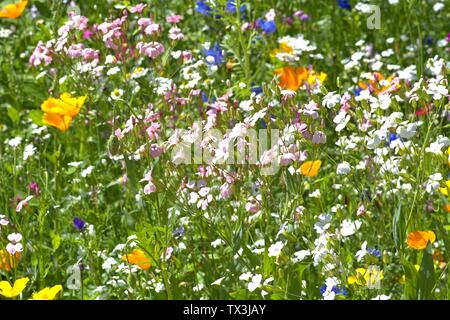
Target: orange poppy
{"x":418,"y":239}
{"x":60,"y":112}
{"x":138,"y":257}
{"x":14,"y":10}
{"x":447,"y":207}
{"x":292,"y":78}
{"x":8,"y":261}
{"x":375,"y":85}
{"x":310,"y":168}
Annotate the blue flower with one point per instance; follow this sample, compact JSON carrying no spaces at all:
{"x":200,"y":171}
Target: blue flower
{"x":231,"y":6}
{"x":178,"y":232}
{"x":79,"y":223}
{"x":203,"y":8}
{"x":216,"y":53}
{"x":357,"y":91}
{"x":266,"y":26}
{"x":257,"y":90}
{"x":344,"y":4}
{"x":374,"y":252}
{"x":335,"y":289}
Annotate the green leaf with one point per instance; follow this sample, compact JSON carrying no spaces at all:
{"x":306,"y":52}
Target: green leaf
{"x":13,"y":114}
{"x":36,"y":117}
{"x":427,"y":276}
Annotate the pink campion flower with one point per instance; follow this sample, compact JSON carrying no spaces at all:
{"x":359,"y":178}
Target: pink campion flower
{"x":168,"y":253}
{"x":152,"y":29}
{"x":23,"y":203}
{"x":41,"y":54}
{"x":150,"y":186}
{"x":298,"y":13}
{"x":175,"y":34}
{"x":270,"y":16}
{"x":174,"y":19}
{"x":151,"y":50}
{"x":252,"y":206}
{"x":14,"y":248}
{"x":3,"y":221}
{"x":144,"y":22}
{"x":226,"y":191}
{"x":138,"y":8}
{"x":319,"y":137}
{"x":152,"y":131}
{"x":345,"y":102}
{"x":87,"y":34}
{"x":75,"y":50}
{"x":64,"y":30}
{"x":90,"y":54}
{"x":77,"y":22}
{"x":219,"y":106}
{"x":34,"y":188}
{"x":361,"y":210}
{"x":286,"y":159}
{"x":155,"y":150}
{"x":118,"y":133}
{"x":15,"y":237}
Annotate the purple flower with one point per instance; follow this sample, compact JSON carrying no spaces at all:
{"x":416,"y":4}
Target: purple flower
{"x":79,"y":223}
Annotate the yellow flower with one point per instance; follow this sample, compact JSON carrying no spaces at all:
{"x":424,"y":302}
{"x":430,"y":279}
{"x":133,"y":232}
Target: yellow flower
{"x":138,"y":257}
{"x":418,"y":239}
{"x":310,"y":168}
{"x":284,"y":48}
{"x":14,"y":10}
{"x":366,"y":277}
{"x":8,"y":261}
{"x":60,"y":112}
{"x":10,"y":292}
{"x":47,"y":293}
{"x":444,"y":190}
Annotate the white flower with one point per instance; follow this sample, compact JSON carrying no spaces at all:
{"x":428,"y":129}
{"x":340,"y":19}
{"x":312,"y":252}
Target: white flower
{"x":323,"y":224}
{"x":28,"y":151}
{"x":433,"y":182}
{"x":275,"y":249}
{"x":382,"y":297}
{"x":113,"y":71}
{"x":87,"y":171}
{"x":349,"y":227}
{"x":218,"y":282}
{"x":254,"y":283}
{"x":343,"y":168}
{"x":245,"y":276}
{"x":15,"y":237}
{"x":438,"y":6}
{"x":14,"y":142}
{"x":331,"y":99}
{"x":75,"y":164}
{"x":341,"y":119}
{"x":361,"y":253}
{"x":217,"y":243}
{"x":108,"y":263}
{"x":116,"y":94}
{"x":23,"y":203}
{"x":301,"y":255}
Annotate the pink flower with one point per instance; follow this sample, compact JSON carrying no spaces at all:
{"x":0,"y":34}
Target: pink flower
{"x":155,"y":150}
{"x":150,"y":186}
{"x":15,"y":237}
{"x":287,"y":159}
{"x":90,"y":54}
{"x":3,"y":220}
{"x":176,"y":34}
{"x":118,"y":133}
{"x":41,"y":54}
{"x":319,"y":137}
{"x":14,"y":248}
{"x":270,"y":16}
{"x":75,"y":50}
{"x":151,"y":50}
{"x":144,"y":22}
{"x":174,"y":19}
{"x":226,"y":191}
{"x":138,"y":8}
{"x":152,"y":29}
{"x":23,"y":203}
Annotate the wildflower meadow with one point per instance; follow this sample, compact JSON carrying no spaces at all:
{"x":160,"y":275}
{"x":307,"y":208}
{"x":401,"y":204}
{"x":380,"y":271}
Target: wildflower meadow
{"x":274,"y":150}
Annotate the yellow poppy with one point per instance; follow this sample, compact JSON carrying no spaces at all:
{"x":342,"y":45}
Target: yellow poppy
{"x":368,"y":277}
{"x":60,"y":112}
{"x":138,"y":257}
{"x":444,"y":190}
{"x":47,"y":293}
{"x":310,"y":168}
{"x":418,"y":239}
{"x":9,"y":291}
{"x":14,"y":10}
{"x":8,"y":261}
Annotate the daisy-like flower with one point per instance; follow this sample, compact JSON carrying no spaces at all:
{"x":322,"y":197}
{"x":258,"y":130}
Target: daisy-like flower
{"x":116,"y":94}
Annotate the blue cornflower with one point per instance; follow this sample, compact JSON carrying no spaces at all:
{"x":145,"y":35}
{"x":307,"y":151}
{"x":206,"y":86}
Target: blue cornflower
{"x":257,"y":90}
{"x":344,"y":4}
{"x":231,"y":6}
{"x":79,"y":223}
{"x":374,"y":252}
{"x":203,"y":8}
{"x":216,"y":53}
{"x":335,"y":289}
{"x":178,"y":232}
{"x":357,"y":91}
{"x":266,"y":26}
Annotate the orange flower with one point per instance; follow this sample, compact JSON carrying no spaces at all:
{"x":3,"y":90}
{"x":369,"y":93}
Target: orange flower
{"x":418,"y":239}
{"x":447,"y":207}
{"x":292,"y":78}
{"x":60,"y":112}
{"x":310,"y":168}
{"x":138,"y":257}
{"x":14,"y":10}
{"x":380,"y":84}
{"x":7,"y":261}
